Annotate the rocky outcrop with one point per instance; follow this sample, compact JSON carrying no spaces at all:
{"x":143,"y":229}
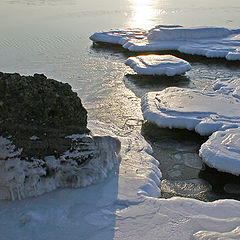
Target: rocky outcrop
{"x":44,"y":140}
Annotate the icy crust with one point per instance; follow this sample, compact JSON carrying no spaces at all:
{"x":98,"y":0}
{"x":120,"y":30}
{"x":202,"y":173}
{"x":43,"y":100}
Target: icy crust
{"x":158,"y":65}
{"x":222,"y":151}
{"x":228,"y":86}
{"x":204,"y":112}
{"x":89,"y":160}
{"x":209,"y":42}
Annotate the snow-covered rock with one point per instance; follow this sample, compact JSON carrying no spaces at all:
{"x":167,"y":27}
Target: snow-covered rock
{"x":211,"y":42}
{"x":222,"y":151}
{"x":158,"y":65}
{"x":88,"y":161}
{"x":204,"y":112}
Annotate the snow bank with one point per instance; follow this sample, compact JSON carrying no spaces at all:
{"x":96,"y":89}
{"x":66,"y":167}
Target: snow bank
{"x":122,"y":207}
{"x":207,"y":41}
{"x":204,"y":112}
{"x":222,"y":151}
{"x":158,"y":65}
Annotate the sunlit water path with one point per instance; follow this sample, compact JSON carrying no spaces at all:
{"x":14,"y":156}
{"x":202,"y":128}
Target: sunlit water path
{"x":51,"y":37}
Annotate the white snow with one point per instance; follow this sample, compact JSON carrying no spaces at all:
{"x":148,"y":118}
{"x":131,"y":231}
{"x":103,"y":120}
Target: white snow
{"x":216,"y":113}
{"x":222,"y":151}
{"x":228,"y":86}
{"x":124,"y":206}
{"x":206,"y":41}
{"x":22,"y":178}
{"x":199,"y":110}
{"x":208,"y":235}
{"x":153,"y":64}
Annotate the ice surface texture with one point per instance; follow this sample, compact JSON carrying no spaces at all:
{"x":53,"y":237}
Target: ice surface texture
{"x":158,"y":65}
{"x":210,"y":42}
{"x":204,"y":112}
{"x":125,"y":206}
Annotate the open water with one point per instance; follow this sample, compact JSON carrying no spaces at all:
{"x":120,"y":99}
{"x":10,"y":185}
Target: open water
{"x":51,"y":37}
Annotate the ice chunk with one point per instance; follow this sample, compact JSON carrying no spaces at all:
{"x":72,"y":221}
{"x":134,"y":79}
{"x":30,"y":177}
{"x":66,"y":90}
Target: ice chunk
{"x":222,"y":151}
{"x":211,"y":42}
{"x":204,"y":112}
{"x":158,"y":65}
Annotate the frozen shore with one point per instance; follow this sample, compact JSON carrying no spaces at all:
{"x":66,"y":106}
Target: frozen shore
{"x":123,"y":206}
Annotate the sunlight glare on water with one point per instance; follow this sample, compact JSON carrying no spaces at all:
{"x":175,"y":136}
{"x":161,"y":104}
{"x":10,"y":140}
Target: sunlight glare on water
{"x":144,"y":13}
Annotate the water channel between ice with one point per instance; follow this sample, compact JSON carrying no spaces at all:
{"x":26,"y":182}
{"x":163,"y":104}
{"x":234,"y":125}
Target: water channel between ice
{"x":51,"y":37}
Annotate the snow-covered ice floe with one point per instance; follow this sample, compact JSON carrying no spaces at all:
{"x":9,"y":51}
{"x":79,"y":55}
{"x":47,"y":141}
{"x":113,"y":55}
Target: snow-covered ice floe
{"x":222,"y":151}
{"x":205,"y":112}
{"x":202,"y":111}
{"x":212,"y":42}
{"x":153,"y":64}
{"x":124,"y":206}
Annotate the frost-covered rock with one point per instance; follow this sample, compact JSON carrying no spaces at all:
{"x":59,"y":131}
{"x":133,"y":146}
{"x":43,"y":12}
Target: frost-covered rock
{"x":222,"y":151}
{"x":44,"y":140}
{"x":228,"y":86}
{"x":158,"y":65}
{"x":88,"y":161}
{"x":211,"y":42}
{"x":204,"y":112}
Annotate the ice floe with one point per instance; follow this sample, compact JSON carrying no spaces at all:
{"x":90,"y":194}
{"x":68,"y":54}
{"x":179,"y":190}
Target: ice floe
{"x":211,"y":42}
{"x":124,"y":206}
{"x":153,"y":64}
{"x":216,"y":113}
{"x":222,"y":151}
{"x":202,"y":111}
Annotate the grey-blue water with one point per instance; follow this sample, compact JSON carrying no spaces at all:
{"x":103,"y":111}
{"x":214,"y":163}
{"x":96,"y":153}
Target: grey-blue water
{"x":51,"y":37}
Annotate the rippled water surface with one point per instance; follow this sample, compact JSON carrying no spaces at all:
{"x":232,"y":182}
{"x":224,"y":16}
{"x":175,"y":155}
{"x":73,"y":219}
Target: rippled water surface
{"x":51,"y":37}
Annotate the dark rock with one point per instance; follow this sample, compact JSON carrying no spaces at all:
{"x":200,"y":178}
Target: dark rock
{"x":44,"y":140}
{"x":41,"y":107}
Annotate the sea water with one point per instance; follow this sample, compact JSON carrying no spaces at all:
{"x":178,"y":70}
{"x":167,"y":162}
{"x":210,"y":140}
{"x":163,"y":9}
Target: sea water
{"x":51,"y":37}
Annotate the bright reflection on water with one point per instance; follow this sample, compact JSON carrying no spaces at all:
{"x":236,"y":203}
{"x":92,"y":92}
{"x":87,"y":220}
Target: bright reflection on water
{"x":51,"y":37}
{"x":144,"y":13}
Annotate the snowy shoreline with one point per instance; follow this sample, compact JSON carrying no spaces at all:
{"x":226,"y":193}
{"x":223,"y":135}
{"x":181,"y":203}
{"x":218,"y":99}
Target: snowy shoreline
{"x":126,"y":205}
